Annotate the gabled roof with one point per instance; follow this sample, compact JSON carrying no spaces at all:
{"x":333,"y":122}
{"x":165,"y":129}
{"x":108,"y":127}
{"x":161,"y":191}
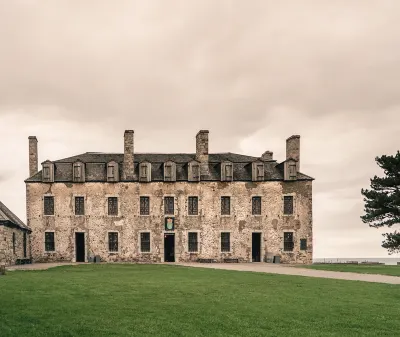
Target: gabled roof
{"x":96,"y":163}
{"x":6,"y":216}
{"x":100,"y":157}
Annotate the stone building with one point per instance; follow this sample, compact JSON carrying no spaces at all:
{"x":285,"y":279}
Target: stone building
{"x":14,"y":238}
{"x":170,"y":207}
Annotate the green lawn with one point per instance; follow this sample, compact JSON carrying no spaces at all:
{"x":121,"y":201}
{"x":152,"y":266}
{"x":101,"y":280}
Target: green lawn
{"x":354,"y":268}
{"x":157,"y":300}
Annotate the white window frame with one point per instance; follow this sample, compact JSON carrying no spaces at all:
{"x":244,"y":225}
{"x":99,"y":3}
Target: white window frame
{"x":54,"y":204}
{"x":84,"y":205}
{"x":198,"y":206}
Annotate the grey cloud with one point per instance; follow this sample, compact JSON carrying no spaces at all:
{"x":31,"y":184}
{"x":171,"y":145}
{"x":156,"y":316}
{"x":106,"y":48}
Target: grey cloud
{"x":76,"y":75}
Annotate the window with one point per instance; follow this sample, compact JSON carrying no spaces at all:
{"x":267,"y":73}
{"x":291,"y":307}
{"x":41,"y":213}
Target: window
{"x":169,"y":171}
{"x":169,"y":205}
{"x":77,"y":170}
{"x":112,"y":206}
{"x":113,"y":242}
{"x":258,"y":171}
{"x":79,"y":206}
{"x":46,"y":172}
{"x":194,"y":171}
{"x":48,"y":205}
{"x":303,"y":244}
{"x":13,"y":241}
{"x":112,"y":172}
{"x":49,"y":242}
{"x":292,"y":171}
{"x":226,"y":171}
{"x":144,"y":206}
{"x":145,"y":172}
{"x":193,"y":242}
{"x":256,"y":206}
{"x":225,"y":242}
{"x":145,"y":242}
{"x":24,"y":244}
{"x":193,"y":205}
{"x":288,"y":243}
{"x":225,"y":205}
{"x":288,"y":204}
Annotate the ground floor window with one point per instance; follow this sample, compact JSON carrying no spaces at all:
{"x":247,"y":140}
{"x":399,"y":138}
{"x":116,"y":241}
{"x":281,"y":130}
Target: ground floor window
{"x":49,"y":245}
{"x":145,"y":242}
{"x":288,"y":243}
{"x":193,"y":242}
{"x":113,"y":241}
{"x":225,"y":242}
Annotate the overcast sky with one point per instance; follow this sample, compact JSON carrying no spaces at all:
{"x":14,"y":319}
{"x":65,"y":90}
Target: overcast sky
{"x":76,"y":74}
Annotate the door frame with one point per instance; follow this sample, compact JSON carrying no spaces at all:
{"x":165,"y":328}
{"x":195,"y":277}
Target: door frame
{"x":261,"y":246}
{"x":84,"y":245}
{"x":164,"y":238}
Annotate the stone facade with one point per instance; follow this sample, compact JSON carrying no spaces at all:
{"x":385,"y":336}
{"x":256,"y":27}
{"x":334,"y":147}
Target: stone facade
{"x":14,"y":238}
{"x":96,"y":224}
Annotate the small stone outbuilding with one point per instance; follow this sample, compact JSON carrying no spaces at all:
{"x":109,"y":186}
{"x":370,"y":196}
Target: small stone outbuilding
{"x":14,"y":238}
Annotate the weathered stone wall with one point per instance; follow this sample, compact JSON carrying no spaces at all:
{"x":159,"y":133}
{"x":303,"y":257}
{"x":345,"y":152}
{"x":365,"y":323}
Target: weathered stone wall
{"x":7,"y":255}
{"x":209,"y":223}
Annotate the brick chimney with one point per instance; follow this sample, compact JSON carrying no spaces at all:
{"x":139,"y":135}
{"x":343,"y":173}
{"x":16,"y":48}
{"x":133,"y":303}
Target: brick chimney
{"x":202,"y":146}
{"x":128,"y":168}
{"x":267,"y":155}
{"x":293,"y":149}
{"x":33,"y":155}
{"x":202,"y":151}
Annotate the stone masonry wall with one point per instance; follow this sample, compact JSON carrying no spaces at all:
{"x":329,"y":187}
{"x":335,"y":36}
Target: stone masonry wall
{"x":209,"y":223}
{"x":7,"y":255}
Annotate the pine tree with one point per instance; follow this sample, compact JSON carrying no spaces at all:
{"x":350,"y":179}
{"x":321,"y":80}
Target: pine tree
{"x":382,"y":201}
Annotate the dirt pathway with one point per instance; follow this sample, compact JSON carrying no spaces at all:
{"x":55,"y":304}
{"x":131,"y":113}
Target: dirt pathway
{"x":281,"y":269}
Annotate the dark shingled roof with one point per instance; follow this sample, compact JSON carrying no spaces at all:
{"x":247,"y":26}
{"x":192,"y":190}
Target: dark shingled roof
{"x":96,"y":166}
{"x":6,"y":216}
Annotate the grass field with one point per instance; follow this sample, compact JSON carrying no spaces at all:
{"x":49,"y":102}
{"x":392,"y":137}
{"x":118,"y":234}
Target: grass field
{"x":156,"y":300}
{"x":354,"y":268}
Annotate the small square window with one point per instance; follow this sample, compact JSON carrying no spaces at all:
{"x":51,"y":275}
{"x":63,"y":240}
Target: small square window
{"x":303,"y":244}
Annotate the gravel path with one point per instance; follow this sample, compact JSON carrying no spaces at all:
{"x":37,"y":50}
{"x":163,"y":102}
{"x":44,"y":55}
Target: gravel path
{"x":281,"y":269}
{"x":255,"y":267}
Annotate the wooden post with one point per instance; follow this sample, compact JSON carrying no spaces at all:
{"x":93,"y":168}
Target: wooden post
{"x":2,"y":270}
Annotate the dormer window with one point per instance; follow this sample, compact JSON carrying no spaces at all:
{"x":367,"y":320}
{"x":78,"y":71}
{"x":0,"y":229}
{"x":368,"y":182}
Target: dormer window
{"x":145,"y":172}
{"x":79,"y":172}
{"x":258,"y":171}
{"x":48,"y":171}
{"x":194,"y":171}
{"x":227,"y":171}
{"x":169,"y":171}
{"x":290,"y":170}
{"x":112,"y":172}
